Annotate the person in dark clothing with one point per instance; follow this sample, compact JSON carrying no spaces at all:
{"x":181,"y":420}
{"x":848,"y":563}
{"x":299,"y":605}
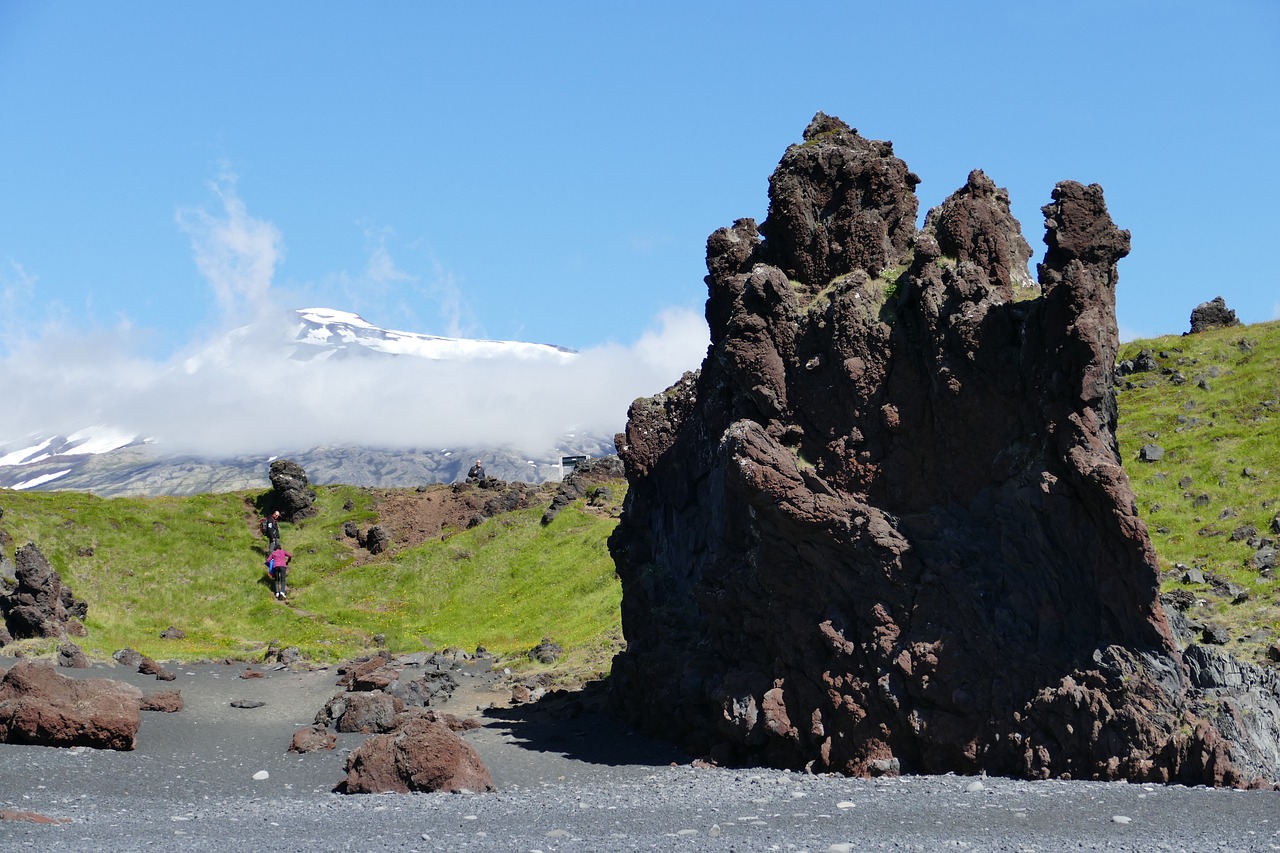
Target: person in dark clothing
{"x":278,"y":565}
{"x":271,"y":530}
{"x":476,"y":474}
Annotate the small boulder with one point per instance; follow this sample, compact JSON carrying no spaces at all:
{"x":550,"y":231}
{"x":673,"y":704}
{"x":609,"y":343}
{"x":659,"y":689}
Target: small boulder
{"x":127,"y":657}
{"x":72,"y":656}
{"x":164,"y":701}
{"x":39,"y":706}
{"x":1150,"y":453}
{"x":313,"y":739}
{"x":421,"y":756}
{"x":546,"y":651}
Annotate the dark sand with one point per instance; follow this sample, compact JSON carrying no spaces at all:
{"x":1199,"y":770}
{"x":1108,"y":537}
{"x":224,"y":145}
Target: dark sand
{"x":564,"y":783}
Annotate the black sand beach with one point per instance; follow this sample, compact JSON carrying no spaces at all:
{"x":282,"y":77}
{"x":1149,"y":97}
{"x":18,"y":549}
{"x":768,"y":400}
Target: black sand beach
{"x":563,"y":783}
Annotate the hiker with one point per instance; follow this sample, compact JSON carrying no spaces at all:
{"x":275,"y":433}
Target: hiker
{"x":271,"y":529}
{"x":278,"y":568}
{"x":476,"y":473}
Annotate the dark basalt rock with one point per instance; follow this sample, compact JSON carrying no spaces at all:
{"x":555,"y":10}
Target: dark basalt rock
{"x":39,"y":605}
{"x":886,"y":527}
{"x":291,"y":491}
{"x":1213,"y":314}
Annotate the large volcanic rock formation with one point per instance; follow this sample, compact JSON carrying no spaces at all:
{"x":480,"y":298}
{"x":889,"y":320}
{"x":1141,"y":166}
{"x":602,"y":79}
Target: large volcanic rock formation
{"x":885,"y":528}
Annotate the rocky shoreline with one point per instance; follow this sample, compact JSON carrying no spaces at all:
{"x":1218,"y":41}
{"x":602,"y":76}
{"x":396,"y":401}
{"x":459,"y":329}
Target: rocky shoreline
{"x":567,"y":777}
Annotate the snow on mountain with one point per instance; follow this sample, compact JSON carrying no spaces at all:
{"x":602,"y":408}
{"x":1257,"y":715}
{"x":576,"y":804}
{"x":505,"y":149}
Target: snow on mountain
{"x":108,"y":461}
{"x":96,"y":439}
{"x":334,"y":331}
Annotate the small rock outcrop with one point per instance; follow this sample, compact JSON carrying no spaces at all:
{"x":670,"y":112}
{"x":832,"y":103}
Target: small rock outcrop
{"x":1213,"y":314}
{"x":291,"y":491}
{"x":39,"y":706}
{"x":886,"y":528}
{"x":40,"y":605}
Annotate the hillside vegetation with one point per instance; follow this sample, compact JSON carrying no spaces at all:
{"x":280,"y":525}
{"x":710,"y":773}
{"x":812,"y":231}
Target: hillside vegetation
{"x":1210,"y":403}
{"x":196,"y":563}
{"x":1211,"y":409}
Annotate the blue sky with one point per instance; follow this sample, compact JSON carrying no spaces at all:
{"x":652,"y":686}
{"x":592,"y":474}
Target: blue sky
{"x":550,"y":171}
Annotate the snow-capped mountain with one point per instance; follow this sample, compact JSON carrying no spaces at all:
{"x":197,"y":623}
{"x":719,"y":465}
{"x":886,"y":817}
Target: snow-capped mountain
{"x":326,"y":333}
{"x":109,"y":461}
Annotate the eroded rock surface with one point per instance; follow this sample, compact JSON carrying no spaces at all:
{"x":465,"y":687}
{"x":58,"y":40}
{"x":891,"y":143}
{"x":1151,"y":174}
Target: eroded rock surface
{"x":886,"y":528}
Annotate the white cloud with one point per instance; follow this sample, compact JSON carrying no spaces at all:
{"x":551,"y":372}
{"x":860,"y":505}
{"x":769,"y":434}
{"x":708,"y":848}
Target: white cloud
{"x":236,"y":253}
{"x":238,"y":392}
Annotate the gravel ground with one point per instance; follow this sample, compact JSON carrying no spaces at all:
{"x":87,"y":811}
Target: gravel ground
{"x":578,"y":784}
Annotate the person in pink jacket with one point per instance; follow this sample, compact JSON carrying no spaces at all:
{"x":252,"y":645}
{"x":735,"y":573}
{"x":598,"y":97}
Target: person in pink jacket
{"x":278,"y":566}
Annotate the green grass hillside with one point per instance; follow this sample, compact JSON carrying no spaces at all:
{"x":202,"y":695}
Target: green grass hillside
{"x":1212,"y":405}
{"x":196,"y":563}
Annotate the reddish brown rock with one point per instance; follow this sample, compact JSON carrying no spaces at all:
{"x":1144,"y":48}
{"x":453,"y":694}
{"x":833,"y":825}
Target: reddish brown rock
{"x":164,"y":701}
{"x":378,"y":678}
{"x":313,"y":739}
{"x":358,"y":669}
{"x":421,"y":756}
{"x":39,"y":706}
{"x":886,"y":527}
{"x":151,"y":667}
{"x":30,"y":817}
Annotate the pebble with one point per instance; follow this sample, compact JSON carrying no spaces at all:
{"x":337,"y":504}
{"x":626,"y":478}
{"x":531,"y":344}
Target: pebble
{"x":260,"y":775}
{"x":1119,"y":818}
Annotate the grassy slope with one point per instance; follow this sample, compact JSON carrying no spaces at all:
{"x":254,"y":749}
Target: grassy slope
{"x":1214,"y":407}
{"x":195,"y":562}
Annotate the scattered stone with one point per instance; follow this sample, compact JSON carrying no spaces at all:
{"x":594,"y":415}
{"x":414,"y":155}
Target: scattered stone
{"x":361,"y":712}
{"x":1244,"y":532}
{"x":1193,"y":576}
{"x":247,"y":703}
{"x":1264,"y":559}
{"x":261,"y":775}
{"x":164,"y":701}
{"x":70,"y":655}
{"x":313,"y":739}
{"x":250,"y":672}
{"x":421,"y":756}
{"x":149,"y":667}
{"x":1216,"y":635}
{"x":546,"y":652}
{"x":172,"y":633}
{"x":377,"y":540}
{"x":1150,"y":453}
{"x":128,"y":658}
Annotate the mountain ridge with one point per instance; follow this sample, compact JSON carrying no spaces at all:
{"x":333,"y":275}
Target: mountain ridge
{"x":110,"y":461}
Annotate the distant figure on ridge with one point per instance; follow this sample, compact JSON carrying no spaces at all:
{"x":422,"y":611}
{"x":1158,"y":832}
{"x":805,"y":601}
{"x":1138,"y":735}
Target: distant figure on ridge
{"x":271,"y":529}
{"x":278,"y":568}
{"x":476,"y":474}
